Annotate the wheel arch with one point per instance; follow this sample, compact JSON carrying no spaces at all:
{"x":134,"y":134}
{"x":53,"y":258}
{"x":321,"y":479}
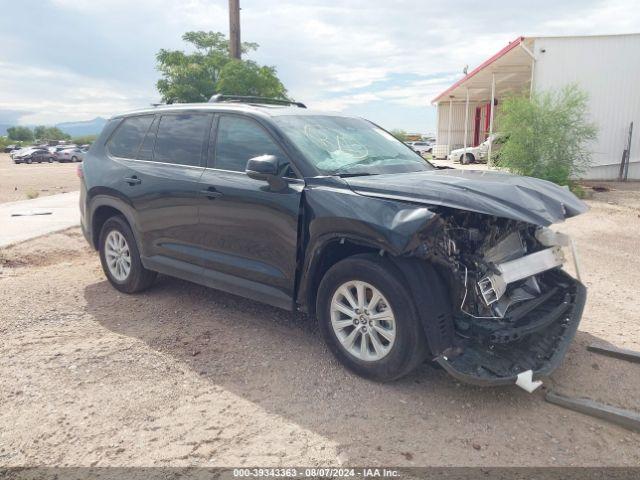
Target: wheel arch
{"x":426,"y":285}
{"x":326,"y":252}
{"x":103,"y":207}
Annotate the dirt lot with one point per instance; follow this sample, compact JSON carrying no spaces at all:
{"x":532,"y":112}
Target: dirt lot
{"x":19,"y":182}
{"x":184,"y":375}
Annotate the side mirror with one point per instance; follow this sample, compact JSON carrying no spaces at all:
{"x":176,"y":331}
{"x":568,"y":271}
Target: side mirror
{"x":265,"y":167}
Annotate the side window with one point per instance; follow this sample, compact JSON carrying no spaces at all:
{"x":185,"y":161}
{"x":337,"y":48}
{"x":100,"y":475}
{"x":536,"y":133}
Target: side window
{"x":240,"y":139}
{"x":181,"y":138}
{"x":146,"y":150}
{"x":126,"y":140}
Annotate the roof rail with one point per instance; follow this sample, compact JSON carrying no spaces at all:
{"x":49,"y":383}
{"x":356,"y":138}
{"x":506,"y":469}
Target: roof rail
{"x":219,"y":98}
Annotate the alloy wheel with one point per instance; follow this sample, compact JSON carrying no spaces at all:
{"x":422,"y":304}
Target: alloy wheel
{"x":363,"y":320}
{"x":117,"y":255}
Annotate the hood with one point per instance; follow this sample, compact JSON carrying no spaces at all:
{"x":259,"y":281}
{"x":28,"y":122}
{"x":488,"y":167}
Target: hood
{"x":525,"y":199}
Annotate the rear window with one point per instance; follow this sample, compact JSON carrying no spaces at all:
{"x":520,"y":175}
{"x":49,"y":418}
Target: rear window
{"x":181,"y":138}
{"x":128,"y":137}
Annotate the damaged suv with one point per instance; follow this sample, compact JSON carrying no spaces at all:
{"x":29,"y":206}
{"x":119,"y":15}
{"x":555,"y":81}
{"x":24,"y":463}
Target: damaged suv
{"x":399,"y":261}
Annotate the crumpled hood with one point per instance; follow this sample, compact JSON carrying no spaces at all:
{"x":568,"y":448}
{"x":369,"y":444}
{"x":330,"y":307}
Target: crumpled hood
{"x":525,"y":199}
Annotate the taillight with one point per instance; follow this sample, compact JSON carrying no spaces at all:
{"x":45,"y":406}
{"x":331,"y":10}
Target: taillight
{"x":79,"y":171}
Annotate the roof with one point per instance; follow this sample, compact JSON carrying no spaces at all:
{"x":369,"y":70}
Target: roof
{"x":514,"y":65}
{"x":511,"y":66}
{"x":261,"y":109}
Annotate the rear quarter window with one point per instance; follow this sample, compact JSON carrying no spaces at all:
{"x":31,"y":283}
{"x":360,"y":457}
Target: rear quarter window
{"x":127,"y":138}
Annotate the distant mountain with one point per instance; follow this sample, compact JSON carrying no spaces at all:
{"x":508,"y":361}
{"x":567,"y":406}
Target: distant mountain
{"x":87,"y":127}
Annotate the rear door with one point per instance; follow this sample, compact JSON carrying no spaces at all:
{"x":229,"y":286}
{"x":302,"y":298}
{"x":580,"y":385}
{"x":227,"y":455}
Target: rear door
{"x":161,"y":183}
{"x":249,"y":232}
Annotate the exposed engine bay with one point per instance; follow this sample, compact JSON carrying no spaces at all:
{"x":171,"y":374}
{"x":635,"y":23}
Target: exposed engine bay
{"x":512,"y":304}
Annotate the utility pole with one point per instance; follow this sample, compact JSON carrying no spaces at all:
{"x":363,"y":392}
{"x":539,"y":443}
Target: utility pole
{"x":234,"y":28}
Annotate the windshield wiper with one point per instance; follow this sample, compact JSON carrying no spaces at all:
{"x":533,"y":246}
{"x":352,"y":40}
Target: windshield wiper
{"x":360,"y":174}
{"x":340,"y":171}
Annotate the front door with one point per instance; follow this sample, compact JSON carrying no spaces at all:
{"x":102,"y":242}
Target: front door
{"x":249,"y":232}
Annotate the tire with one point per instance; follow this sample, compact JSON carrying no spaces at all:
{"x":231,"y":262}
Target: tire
{"x":74,"y":159}
{"x":29,"y":161}
{"x":409,"y":347}
{"x":467,"y":159}
{"x":138,"y":277}
{"x":50,"y":159}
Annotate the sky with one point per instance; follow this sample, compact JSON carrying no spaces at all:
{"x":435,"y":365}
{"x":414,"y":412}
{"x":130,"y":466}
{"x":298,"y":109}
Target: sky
{"x":73,"y":60}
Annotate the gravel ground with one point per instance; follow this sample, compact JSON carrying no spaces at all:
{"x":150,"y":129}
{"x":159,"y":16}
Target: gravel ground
{"x":183,"y":375}
{"x":22,"y":181}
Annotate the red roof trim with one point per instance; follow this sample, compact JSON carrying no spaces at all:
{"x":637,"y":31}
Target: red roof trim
{"x":483,"y":65}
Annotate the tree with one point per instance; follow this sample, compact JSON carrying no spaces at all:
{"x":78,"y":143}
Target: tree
{"x":49,"y":133}
{"x":399,"y":134}
{"x":239,"y":77}
{"x":546,"y":136}
{"x":84,"y":139}
{"x":20,"y":133}
{"x":196,"y":76}
{"x":39,"y":132}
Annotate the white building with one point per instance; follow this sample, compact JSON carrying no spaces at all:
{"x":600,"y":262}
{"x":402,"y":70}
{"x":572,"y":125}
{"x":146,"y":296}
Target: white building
{"x":607,"y":67}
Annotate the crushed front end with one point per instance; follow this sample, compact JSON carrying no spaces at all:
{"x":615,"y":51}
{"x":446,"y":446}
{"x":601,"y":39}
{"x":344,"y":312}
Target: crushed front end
{"x":513,"y":308}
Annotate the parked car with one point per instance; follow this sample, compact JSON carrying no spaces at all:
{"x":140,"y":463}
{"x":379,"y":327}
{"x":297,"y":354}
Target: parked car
{"x":32,"y":155}
{"x":398,"y":260}
{"x":477,"y":154}
{"x":10,"y":148}
{"x":421,"y":147}
{"x":74,"y":154}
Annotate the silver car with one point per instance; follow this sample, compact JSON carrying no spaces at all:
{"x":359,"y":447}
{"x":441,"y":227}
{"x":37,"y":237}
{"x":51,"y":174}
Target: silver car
{"x":73,"y":154}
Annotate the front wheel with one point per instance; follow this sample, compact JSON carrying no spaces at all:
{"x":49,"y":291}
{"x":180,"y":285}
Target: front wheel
{"x":368,"y":318}
{"x":120,"y":257}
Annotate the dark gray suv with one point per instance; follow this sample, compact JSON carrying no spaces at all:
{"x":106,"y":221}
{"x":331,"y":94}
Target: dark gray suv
{"x":398,"y":260}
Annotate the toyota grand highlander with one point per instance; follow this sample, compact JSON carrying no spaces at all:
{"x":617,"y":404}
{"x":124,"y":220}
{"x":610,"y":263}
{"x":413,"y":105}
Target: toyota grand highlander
{"x":399,"y":261}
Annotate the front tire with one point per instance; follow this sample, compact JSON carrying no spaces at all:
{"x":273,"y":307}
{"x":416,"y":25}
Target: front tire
{"x":368,"y":318}
{"x":120,"y":257}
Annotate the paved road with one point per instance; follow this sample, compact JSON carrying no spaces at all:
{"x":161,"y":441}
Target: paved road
{"x":37,"y":217}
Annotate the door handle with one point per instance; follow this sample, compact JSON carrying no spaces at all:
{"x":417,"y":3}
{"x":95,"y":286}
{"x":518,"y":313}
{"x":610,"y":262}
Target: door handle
{"x":211,"y":193}
{"x":133,"y":180}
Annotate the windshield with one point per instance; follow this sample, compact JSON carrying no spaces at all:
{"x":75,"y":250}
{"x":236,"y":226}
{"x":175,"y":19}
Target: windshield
{"x":349,"y":146}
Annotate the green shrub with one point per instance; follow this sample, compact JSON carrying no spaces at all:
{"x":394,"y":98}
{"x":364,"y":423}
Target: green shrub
{"x":546,"y":135}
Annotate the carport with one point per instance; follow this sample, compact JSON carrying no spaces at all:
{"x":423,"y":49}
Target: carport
{"x":466,"y":110}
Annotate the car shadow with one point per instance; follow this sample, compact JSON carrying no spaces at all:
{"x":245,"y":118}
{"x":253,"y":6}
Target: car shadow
{"x":277,"y":359}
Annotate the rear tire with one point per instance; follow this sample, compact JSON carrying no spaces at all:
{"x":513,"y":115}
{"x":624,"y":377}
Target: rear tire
{"x":467,"y":159}
{"x":375,"y":276}
{"x":123,"y":270}
{"x":74,"y":159}
{"x":50,"y":159}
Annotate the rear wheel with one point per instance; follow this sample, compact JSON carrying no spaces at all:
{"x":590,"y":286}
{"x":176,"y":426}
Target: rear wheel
{"x":120,"y":257}
{"x":50,"y":159}
{"x":74,"y":159}
{"x":467,"y":159}
{"x":369,"y":319}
